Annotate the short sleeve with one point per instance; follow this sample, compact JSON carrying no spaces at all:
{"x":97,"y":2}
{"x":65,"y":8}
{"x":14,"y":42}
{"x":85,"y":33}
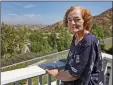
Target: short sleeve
{"x":79,"y":61}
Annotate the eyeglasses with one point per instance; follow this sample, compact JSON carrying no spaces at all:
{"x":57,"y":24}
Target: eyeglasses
{"x":74,"y":19}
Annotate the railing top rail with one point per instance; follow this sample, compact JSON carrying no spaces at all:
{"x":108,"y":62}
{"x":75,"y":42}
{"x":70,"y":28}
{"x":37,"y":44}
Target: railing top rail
{"x":20,"y":74}
{"x":24,"y":73}
{"x":33,"y":59}
{"x":108,"y":57}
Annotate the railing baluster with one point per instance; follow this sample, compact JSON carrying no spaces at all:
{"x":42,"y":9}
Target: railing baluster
{"x":9,"y":84}
{"x":17,"y":83}
{"x":40,"y":79}
{"x":49,"y":79}
{"x":29,"y":81}
{"x":105,"y":71}
{"x":104,"y":64}
{"x":110,"y":78}
{"x":57,"y":82}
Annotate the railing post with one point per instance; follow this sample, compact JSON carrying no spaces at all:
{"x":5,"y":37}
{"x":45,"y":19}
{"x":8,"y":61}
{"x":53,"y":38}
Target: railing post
{"x":16,"y":83}
{"x":40,"y":79}
{"x":29,"y":81}
{"x":49,"y":79}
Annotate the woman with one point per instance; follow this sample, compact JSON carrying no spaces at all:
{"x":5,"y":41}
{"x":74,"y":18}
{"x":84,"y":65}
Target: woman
{"x":84,"y":62}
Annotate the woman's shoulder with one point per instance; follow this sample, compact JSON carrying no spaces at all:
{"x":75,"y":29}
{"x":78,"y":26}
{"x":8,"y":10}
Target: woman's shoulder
{"x":90,"y":39}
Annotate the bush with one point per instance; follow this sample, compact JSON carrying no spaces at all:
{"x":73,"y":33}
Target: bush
{"x":23,"y":57}
{"x":107,"y":48}
{"x":14,"y":67}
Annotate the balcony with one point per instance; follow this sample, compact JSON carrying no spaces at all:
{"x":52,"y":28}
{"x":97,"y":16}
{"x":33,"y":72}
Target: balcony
{"x":15,"y":76}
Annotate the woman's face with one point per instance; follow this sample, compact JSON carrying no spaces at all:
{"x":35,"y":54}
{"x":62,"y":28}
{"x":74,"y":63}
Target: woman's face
{"x":75,"y":21}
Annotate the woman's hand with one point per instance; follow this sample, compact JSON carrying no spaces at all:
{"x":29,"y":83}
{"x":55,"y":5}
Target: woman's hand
{"x":53,"y":72}
{"x":64,"y":76}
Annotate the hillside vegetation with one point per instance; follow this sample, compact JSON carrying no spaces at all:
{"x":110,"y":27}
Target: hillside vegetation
{"x":45,"y":39}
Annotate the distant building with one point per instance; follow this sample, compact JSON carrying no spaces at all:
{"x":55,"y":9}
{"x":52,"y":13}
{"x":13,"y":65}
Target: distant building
{"x":26,"y":47}
{"x":107,"y":41}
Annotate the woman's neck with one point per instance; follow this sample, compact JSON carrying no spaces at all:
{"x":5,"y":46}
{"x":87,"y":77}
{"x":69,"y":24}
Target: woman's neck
{"x":80,"y":35}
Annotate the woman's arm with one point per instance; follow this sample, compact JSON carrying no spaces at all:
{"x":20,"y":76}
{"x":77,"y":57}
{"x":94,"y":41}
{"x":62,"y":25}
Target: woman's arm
{"x":64,"y":76}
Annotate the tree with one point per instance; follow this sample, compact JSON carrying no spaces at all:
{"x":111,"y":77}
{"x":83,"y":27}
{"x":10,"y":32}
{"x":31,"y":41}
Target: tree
{"x":7,"y":39}
{"x":39,"y":42}
{"x":99,"y":32}
{"x":35,"y":39}
{"x":12,"y":38}
{"x":64,"y":39}
{"x":52,"y":38}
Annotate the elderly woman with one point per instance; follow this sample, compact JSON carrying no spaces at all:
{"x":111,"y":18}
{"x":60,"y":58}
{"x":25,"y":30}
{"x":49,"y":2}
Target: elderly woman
{"x":84,"y":62}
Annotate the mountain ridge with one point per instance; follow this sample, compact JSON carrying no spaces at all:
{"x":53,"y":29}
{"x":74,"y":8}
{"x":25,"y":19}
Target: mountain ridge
{"x":103,"y":20}
{"x":100,"y":19}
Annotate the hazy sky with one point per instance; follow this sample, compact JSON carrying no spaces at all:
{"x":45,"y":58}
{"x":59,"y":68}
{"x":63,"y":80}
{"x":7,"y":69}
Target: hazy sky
{"x":44,"y":12}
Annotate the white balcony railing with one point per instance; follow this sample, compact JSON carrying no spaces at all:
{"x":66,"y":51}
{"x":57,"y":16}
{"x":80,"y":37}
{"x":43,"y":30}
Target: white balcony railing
{"x":35,"y":71}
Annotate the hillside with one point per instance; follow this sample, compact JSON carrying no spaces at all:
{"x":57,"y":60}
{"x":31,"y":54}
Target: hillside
{"x":30,"y":26}
{"x":103,"y":20}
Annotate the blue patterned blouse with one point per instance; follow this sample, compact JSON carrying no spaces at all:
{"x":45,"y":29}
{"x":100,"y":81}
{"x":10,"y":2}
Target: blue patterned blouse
{"x":85,"y":61}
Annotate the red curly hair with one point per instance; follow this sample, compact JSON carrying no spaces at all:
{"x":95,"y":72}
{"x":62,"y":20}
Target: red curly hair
{"x":86,"y":15}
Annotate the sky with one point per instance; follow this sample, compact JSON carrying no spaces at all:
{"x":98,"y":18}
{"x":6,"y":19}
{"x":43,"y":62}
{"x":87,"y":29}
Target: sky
{"x":44,"y":12}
